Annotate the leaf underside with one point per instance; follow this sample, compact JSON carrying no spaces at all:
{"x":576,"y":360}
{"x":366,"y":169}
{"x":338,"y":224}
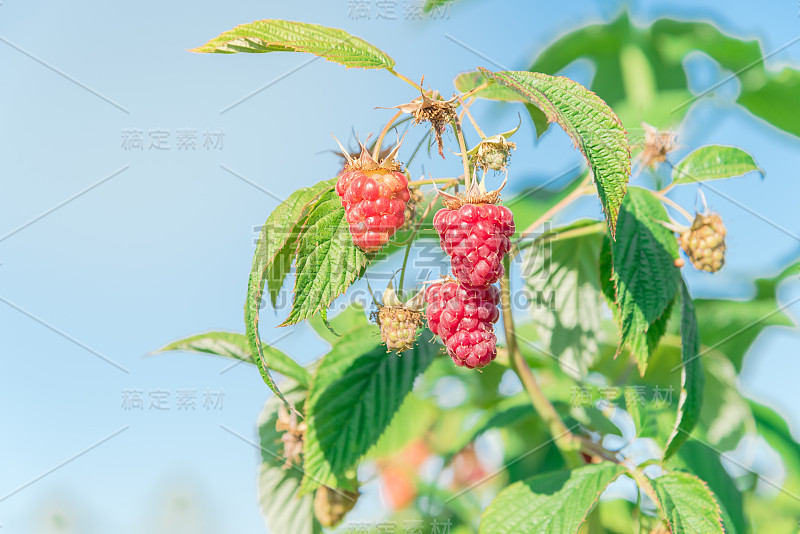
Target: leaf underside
{"x":591,"y":124}
{"x":286,"y":36}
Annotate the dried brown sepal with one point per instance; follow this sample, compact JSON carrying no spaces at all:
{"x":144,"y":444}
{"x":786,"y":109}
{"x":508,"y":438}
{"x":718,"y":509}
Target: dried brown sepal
{"x":704,"y":242}
{"x":477,"y":194}
{"x":656,"y":145}
{"x":434,"y":110}
{"x":331,"y":505}
{"x":293,"y":436}
{"x":365,"y":162}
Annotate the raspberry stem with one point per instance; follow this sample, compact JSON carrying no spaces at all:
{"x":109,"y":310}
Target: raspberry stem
{"x":666,"y":200}
{"x":433,"y":181}
{"x":583,"y":189}
{"x":408,"y":81}
{"x":565,"y":440}
{"x":463,"y":147}
{"x":557,"y":236}
{"x":474,"y":90}
{"x":376,"y":151}
{"x":469,"y":116}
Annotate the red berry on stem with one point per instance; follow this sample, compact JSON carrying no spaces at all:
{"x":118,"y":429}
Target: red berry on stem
{"x":374,"y":196}
{"x":464,"y":317}
{"x":476,"y":237}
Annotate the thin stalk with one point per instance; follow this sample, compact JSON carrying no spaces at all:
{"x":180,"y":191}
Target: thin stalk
{"x":469,"y":116}
{"x":465,"y":106}
{"x":666,"y":200}
{"x":474,"y":90}
{"x":432,"y":181}
{"x":419,"y":145}
{"x":463,"y":146}
{"x":564,"y":202}
{"x":377,"y":150}
{"x":408,"y":81}
{"x":566,"y":442}
{"x":558,"y":236}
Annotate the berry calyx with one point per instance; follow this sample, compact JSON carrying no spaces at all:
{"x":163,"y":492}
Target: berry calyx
{"x":476,"y":236}
{"x":374,"y":195}
{"x":704,"y":242}
{"x":464,"y":317}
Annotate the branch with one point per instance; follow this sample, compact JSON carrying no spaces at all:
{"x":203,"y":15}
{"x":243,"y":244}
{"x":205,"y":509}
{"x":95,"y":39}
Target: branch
{"x":567,"y":443}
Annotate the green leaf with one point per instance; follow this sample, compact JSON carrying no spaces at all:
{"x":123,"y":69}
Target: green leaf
{"x":271,"y":263}
{"x":467,"y":81}
{"x":568,"y":308}
{"x":705,"y":463}
{"x":773,"y":428}
{"x":643,"y":252}
{"x":328,"y":261}
{"x":690,"y":404}
{"x":357,"y":390}
{"x":287,"y":36}
{"x":349,"y":319}
{"x":278,"y":489}
{"x":774,"y":98}
{"x":732,"y":326}
{"x":506,"y":413}
{"x":236,"y":346}
{"x":687,"y":504}
{"x":594,"y":128}
{"x":713,"y":162}
{"x":412,"y":421}
{"x":432,"y":5}
{"x":553,"y":503}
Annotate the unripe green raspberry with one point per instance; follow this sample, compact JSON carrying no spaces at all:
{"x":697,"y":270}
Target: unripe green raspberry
{"x":704,"y":242}
{"x":398,"y":327}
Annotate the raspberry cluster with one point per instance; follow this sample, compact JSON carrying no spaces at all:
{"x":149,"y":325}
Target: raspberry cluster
{"x":375,"y":204}
{"x":704,"y":242}
{"x":476,"y":237}
{"x":464,"y":317}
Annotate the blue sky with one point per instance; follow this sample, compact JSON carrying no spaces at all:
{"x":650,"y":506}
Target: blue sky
{"x":160,"y":242}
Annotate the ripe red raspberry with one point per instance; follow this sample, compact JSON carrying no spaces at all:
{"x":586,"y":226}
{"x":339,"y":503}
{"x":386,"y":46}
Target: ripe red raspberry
{"x":463,"y":317}
{"x":374,"y":196}
{"x":476,"y":236}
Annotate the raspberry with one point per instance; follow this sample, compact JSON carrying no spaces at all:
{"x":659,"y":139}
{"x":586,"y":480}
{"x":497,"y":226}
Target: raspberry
{"x":330,"y":505}
{"x":704,"y":242}
{"x":374,"y":196}
{"x":476,"y":236}
{"x":398,"y":320}
{"x":398,"y":327}
{"x":463,"y":317}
